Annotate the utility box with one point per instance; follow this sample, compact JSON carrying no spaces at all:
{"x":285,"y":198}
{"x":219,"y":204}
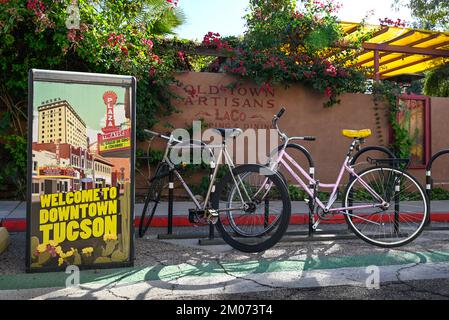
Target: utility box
{"x":81,"y":149}
{"x":4,"y":240}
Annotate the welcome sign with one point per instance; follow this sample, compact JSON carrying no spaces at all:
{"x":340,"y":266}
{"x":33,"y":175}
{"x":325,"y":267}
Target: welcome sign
{"x":80,"y":170}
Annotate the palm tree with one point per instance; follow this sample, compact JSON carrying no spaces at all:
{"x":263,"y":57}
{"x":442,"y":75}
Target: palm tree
{"x":159,"y":17}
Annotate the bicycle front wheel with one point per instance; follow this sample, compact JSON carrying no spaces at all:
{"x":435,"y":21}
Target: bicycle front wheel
{"x":253,"y":208}
{"x":393,"y":222}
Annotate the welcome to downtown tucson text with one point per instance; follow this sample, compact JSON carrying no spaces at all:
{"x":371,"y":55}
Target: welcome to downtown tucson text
{"x":78,"y":215}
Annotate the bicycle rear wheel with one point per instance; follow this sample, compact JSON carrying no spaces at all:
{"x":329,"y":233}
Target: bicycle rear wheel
{"x":395,"y":223}
{"x":260,"y":221}
{"x":157,"y":185}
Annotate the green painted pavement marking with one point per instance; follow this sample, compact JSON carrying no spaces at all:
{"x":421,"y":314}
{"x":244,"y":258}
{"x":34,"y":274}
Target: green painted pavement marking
{"x":169,"y":273}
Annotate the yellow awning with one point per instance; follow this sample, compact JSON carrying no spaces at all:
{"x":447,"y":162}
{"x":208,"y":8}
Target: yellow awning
{"x":399,"y":50}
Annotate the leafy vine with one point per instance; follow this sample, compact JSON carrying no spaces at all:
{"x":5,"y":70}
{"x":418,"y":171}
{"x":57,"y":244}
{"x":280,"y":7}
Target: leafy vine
{"x":388,"y":92}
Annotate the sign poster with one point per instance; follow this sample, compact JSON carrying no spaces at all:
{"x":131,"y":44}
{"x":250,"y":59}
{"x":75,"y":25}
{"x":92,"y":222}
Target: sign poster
{"x":80,"y":170}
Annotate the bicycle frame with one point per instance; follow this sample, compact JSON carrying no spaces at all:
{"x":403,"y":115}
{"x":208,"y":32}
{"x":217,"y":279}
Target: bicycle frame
{"x":284,"y":159}
{"x":223,"y":154}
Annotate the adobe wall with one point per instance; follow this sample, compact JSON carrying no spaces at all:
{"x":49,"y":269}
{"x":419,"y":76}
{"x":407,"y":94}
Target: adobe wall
{"x":439,"y":113}
{"x":211,"y":96}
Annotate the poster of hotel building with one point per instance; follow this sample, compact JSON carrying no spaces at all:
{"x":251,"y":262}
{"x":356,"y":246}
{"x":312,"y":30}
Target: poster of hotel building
{"x":80,"y":170}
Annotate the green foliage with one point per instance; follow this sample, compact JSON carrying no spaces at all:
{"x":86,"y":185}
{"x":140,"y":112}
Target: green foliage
{"x":388,"y":92}
{"x":286,"y":43}
{"x":439,"y":194}
{"x":117,"y":37}
{"x":296,"y":194}
{"x":430,"y":14}
{"x":437,"y":82}
{"x":416,"y":87}
{"x":14,"y":163}
{"x":152,"y":157}
{"x":202,"y":187}
{"x":267,"y":22}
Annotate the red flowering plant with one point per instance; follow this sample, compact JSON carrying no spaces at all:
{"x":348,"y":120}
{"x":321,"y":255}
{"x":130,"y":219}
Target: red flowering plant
{"x":288,"y":42}
{"x":118,"y":37}
{"x":393,"y":23}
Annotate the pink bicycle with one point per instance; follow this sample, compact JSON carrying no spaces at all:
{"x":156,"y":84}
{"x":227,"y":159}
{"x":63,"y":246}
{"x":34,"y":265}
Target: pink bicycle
{"x":383,"y":205}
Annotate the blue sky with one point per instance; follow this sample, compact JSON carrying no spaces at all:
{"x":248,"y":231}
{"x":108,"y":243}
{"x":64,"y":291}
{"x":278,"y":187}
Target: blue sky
{"x":226,"y":16}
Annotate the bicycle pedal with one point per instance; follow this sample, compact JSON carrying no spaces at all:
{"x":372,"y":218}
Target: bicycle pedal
{"x":212,"y":216}
{"x":198,"y":217}
{"x":203,"y":216}
{"x":194,"y":215}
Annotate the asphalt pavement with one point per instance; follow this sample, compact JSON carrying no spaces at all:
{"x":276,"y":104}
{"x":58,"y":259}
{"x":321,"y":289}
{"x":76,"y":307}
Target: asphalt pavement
{"x":183,"y":269}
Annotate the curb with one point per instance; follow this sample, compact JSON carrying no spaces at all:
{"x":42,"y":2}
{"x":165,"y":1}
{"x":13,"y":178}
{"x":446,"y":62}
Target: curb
{"x":4,"y":239}
{"x":19,"y":225}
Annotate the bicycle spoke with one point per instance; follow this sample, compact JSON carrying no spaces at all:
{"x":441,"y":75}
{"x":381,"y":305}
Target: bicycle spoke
{"x":400,"y":220}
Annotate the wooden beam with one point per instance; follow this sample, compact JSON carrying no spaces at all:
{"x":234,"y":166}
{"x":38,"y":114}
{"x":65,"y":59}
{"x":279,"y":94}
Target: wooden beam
{"x":431,"y":37}
{"x":406,"y":49}
{"x":376,"y":66}
{"x":405,"y":66}
{"x":376,"y":34}
{"x":380,"y":32}
{"x":352,"y":30}
{"x":408,"y":55}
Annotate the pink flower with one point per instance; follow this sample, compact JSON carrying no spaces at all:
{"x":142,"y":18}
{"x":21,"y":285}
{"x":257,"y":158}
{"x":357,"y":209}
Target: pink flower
{"x":37,"y":6}
{"x":266,"y":87}
{"x":156,"y":58}
{"x":181,"y":55}
{"x":328,"y":92}
{"x":71,"y":35}
{"x":152,"y":72}
{"x":148,"y":42}
{"x":331,"y":71}
{"x":174,"y":3}
{"x":307,"y":74}
{"x":124,"y":50}
{"x":214,"y":38}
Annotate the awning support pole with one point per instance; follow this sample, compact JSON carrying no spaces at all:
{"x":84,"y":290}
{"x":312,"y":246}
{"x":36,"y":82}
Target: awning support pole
{"x":376,"y":66}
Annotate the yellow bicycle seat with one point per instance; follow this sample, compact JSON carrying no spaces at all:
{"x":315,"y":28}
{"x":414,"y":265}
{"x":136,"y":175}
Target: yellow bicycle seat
{"x":365,"y":133}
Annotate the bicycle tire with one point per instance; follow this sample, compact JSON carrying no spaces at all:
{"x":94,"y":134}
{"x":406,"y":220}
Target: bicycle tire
{"x":273,"y":225}
{"x":153,"y":197}
{"x":367,"y":149}
{"x":282,"y":223}
{"x":374,"y":242}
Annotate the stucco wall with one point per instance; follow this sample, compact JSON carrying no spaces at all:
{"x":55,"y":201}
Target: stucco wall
{"x":210,"y":96}
{"x":223,"y":102}
{"x":439,"y":112}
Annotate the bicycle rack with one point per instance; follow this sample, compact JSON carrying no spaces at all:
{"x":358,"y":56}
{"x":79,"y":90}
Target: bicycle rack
{"x":297,"y":236}
{"x":429,"y":186}
{"x":170,"y":235}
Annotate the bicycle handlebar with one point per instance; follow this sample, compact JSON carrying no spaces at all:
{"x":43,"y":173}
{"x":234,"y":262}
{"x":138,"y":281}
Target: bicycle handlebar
{"x":159,"y":135}
{"x":282,"y":134}
{"x":280,"y":113}
{"x":152,"y":133}
{"x":309,"y":138}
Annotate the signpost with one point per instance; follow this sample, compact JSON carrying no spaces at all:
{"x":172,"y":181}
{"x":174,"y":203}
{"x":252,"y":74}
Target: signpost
{"x":81,"y":151}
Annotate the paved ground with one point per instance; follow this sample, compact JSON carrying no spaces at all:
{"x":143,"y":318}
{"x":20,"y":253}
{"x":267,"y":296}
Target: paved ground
{"x":181,"y":269}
